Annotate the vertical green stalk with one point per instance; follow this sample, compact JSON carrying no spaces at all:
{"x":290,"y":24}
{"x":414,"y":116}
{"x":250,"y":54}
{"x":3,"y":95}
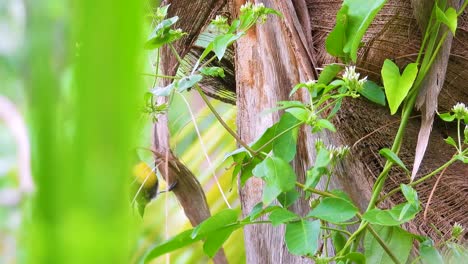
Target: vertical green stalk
{"x":83,"y":146}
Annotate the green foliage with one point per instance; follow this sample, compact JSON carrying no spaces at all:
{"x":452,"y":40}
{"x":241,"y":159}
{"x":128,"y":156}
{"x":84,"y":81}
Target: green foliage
{"x":302,"y":237}
{"x":334,"y":210}
{"x":398,"y":241}
{"x":392,"y":157}
{"x":352,"y":22}
{"x":449,"y":18}
{"x":269,"y":156}
{"x":397,"y":86}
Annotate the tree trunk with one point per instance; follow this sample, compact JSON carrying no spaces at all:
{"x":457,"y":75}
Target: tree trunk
{"x":273,"y":57}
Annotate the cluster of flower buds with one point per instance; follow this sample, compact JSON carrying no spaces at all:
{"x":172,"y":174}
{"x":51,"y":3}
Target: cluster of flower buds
{"x":221,"y":22}
{"x":336,"y":153}
{"x":460,"y":110}
{"x":351,"y":79}
{"x":257,"y":9}
{"x":457,"y":230}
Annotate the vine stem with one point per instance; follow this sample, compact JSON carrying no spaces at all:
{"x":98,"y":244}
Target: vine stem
{"x":448,"y":163}
{"x":316,"y":191}
{"x":221,"y":121}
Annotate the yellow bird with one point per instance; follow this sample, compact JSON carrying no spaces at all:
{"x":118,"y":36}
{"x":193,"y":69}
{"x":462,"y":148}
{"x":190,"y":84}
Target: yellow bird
{"x":144,"y":186}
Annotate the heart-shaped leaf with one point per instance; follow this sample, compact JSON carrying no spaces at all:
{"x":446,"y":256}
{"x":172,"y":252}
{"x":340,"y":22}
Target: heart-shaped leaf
{"x":397,"y":86}
{"x":449,"y":18}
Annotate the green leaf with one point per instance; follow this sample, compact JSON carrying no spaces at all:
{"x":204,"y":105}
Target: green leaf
{"x":213,"y":71}
{"x":447,"y":117}
{"x":337,"y":38}
{"x":281,"y":216}
{"x":187,"y":82}
{"x":215,"y":240}
{"x":181,"y":240}
{"x":449,"y":140}
{"x":278,"y":175}
{"x":221,"y":42}
{"x":284,"y":145}
{"x":301,"y":114}
{"x":163,"y":34}
{"x":329,"y":73}
{"x":410,"y":194}
{"x":373,"y":93}
{"x":334,"y":210}
{"x":449,"y":18}
{"x":398,"y":215}
{"x":398,"y":240}
{"x":429,"y":254}
{"x":302,"y":237}
{"x":321,"y":162}
{"x":258,"y":211}
{"x":397,"y":86}
{"x":215,"y":222}
{"x":323,"y":123}
{"x":353,"y":19}
{"x":391,"y":156}
{"x":287,"y":199}
{"x":354,"y":257}
{"x":338,"y":240}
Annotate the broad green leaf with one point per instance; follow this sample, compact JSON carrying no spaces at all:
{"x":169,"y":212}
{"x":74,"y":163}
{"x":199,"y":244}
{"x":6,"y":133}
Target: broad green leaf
{"x":258,"y":211}
{"x":215,"y":240}
{"x":396,"y":216}
{"x":449,"y":18}
{"x":337,"y":38}
{"x":373,"y":93}
{"x":397,"y":86}
{"x":287,"y":199}
{"x":329,"y":73}
{"x":429,"y":254}
{"x":391,"y":156}
{"x":398,"y":240}
{"x":187,"y":82}
{"x":213,"y":71}
{"x":270,"y":192}
{"x":284,"y":144}
{"x":221,"y":42}
{"x":215,"y":222}
{"x":334,"y":210}
{"x":281,"y":216}
{"x":302,"y":237}
{"x":278,"y":175}
{"x":447,"y":117}
{"x":353,"y":19}
{"x":181,"y":240}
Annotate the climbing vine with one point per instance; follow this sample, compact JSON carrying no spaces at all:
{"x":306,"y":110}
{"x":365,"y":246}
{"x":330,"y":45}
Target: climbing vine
{"x":331,"y":212}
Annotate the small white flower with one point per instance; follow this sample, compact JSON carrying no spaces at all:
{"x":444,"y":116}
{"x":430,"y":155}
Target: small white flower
{"x":351,"y":78}
{"x":460,"y":110}
{"x":246,"y":7}
{"x":258,"y":8}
